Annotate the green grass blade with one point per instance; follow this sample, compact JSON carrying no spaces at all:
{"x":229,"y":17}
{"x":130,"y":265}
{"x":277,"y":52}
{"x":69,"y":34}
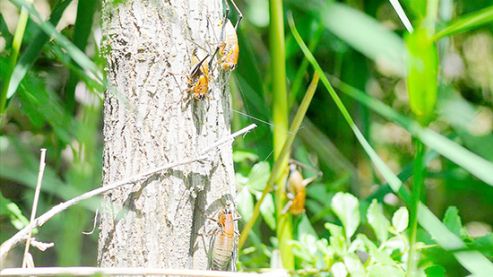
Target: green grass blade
{"x":248,"y":71}
{"x":469,"y":259}
{"x":364,"y":34}
{"x":280,"y":118}
{"x":402,"y":15}
{"x":16,"y":47}
{"x":9,"y":209}
{"x":404,"y":175}
{"x":32,"y":52}
{"x":473,"y":163}
{"x":419,"y":175}
{"x":82,"y":30}
{"x":21,"y":167}
{"x":422,"y":74}
{"x":283,"y":157}
{"x":467,"y":22}
{"x":301,"y":72}
{"x":78,"y":56}
{"x":473,"y":261}
{"x":4,"y":32}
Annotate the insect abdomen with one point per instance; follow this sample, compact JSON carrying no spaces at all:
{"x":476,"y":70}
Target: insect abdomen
{"x":222,"y":251}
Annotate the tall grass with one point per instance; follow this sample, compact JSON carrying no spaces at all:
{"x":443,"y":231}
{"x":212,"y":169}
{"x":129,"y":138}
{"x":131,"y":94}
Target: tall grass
{"x":472,"y":260}
{"x":280,"y":117}
{"x":16,"y":47}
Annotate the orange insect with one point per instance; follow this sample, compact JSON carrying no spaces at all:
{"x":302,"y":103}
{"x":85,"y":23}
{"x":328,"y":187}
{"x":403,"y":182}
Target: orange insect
{"x":296,"y":190}
{"x":198,"y":79}
{"x":228,"y":49}
{"x":223,"y":243}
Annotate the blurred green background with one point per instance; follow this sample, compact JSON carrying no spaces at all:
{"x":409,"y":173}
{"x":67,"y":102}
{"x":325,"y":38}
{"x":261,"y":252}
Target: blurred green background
{"x":359,"y":44}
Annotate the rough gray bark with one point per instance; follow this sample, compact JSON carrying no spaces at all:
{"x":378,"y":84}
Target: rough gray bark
{"x":149,"y":120}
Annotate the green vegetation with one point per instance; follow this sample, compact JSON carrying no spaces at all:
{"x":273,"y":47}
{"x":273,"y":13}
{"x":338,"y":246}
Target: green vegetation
{"x":401,"y":128}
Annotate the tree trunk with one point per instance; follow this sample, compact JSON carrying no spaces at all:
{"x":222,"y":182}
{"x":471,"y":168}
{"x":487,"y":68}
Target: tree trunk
{"x":150,"y":119}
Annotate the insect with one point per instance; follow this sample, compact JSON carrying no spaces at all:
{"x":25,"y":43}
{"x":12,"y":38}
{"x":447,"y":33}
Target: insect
{"x":228,"y":49}
{"x":296,"y":189}
{"x":198,"y":79}
{"x":223,"y":243}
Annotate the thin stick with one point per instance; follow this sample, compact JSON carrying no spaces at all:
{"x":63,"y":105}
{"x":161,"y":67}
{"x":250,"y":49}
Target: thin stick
{"x":19,"y":236}
{"x":283,"y":157}
{"x":402,"y":15}
{"x":42,"y":165}
{"x":127,"y":271}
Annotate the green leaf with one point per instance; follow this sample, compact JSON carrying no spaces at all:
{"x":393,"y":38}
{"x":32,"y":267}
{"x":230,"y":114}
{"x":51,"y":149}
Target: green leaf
{"x":484,"y":244}
{"x":10,"y":209}
{"x":41,"y":105}
{"x":337,"y":239}
{"x":267,"y":210}
{"x":473,"y":163}
{"x":21,"y":166}
{"x":339,"y":270}
{"x":305,"y":227}
{"x":82,"y":30}
{"x":346,"y":207}
{"x":243,"y":156}
{"x":4,"y":32}
{"x":378,"y":221}
{"x":452,"y":220}
{"x":32,"y":52}
{"x":354,"y":265}
{"x":362,"y":243}
{"x":75,"y":53}
{"x":422,"y":74}
{"x":471,"y":260}
{"x":435,"y":271}
{"x":364,"y":34}
{"x":467,"y":22}
{"x":398,"y":242}
{"x":400,"y":219}
{"x":379,"y":270}
{"x":258,"y":176}
{"x":245,"y":202}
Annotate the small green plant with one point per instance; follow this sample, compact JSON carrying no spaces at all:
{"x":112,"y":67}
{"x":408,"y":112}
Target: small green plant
{"x":347,"y":253}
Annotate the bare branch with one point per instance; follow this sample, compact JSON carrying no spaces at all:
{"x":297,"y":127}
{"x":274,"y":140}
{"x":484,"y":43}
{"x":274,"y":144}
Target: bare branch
{"x":22,"y":234}
{"x":41,"y":245}
{"x":42,"y":165}
{"x":129,"y":271}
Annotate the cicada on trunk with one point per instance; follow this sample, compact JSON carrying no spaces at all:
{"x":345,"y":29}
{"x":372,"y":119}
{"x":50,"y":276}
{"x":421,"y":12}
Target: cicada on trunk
{"x":198,"y":79}
{"x":223,"y":243}
{"x":228,"y":48}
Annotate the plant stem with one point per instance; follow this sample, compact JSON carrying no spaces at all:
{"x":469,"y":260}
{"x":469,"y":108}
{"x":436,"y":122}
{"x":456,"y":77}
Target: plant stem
{"x":283,"y":157}
{"x":418,"y":183}
{"x":16,"y":47}
{"x":298,"y":79}
{"x":280,"y":117}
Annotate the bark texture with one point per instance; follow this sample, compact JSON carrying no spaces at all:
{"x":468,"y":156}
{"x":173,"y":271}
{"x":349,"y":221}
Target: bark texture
{"x":149,"y":120}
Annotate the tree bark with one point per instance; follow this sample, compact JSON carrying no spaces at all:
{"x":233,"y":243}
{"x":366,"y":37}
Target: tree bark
{"x":151,"y":119}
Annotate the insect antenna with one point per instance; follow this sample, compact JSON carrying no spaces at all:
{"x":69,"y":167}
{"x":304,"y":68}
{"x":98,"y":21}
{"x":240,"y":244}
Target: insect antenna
{"x":240,"y":15}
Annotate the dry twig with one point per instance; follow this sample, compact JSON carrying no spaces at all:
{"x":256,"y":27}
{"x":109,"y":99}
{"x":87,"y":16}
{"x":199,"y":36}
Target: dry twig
{"x":42,"y":165}
{"x":22,"y":234}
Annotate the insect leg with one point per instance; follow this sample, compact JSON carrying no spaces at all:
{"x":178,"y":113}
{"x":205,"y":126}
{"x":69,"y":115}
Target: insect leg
{"x":309,"y":180}
{"x":196,"y":68}
{"x":223,"y":27}
{"x":233,"y":258}
{"x":240,"y":15}
{"x":210,"y":258}
{"x":287,"y":206}
{"x":226,"y":14}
